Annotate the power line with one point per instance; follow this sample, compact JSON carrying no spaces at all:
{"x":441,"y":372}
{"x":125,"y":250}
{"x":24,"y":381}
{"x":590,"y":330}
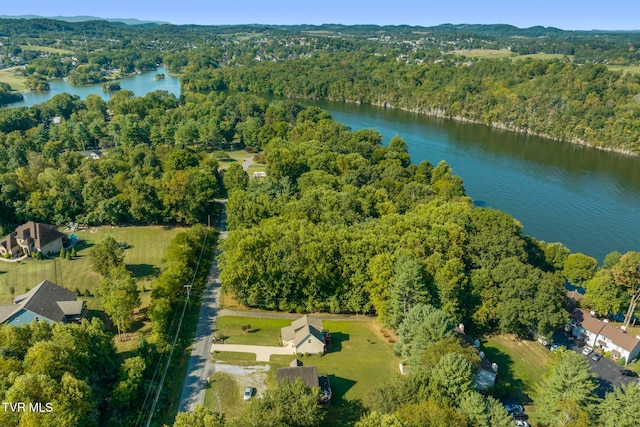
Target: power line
{"x":175,"y":339}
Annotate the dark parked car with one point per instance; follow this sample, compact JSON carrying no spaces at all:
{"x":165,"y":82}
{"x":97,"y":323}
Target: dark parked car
{"x":596,"y":356}
{"x":628,"y":373}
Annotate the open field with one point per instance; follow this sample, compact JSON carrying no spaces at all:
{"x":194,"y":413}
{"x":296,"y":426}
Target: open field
{"x":505,"y":53}
{"x":633,"y":69}
{"x":521,"y":364}
{"x":236,"y":156}
{"x":360,"y":359}
{"x":485,"y":53}
{"x":147,"y":246}
{"x":16,"y":82}
{"x":46,"y":49}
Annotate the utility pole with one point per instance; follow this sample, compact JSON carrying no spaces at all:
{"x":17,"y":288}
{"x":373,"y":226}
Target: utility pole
{"x":188,"y":287}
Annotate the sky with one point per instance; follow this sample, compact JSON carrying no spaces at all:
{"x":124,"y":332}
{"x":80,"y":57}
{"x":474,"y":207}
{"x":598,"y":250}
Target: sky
{"x":564,"y":14}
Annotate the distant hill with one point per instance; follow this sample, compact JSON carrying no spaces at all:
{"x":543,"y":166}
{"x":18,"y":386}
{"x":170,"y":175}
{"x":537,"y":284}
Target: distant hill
{"x":127,"y":21}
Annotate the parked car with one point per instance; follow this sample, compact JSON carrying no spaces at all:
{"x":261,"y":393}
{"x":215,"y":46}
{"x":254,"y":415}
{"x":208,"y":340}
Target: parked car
{"x":248,"y":392}
{"x":519,"y":416}
{"x":521,"y":423}
{"x":628,"y":373}
{"x":512,"y":407}
{"x":587,"y":351}
{"x":596,"y":356}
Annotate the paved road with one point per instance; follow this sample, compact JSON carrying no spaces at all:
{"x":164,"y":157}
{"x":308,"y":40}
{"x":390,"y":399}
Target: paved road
{"x":606,"y":370}
{"x":200,"y":366}
{"x":263,"y":352}
{"x":247,"y":162}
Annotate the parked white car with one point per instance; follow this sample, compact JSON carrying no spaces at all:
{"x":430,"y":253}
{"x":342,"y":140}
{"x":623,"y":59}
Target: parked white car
{"x":587,"y":351}
{"x":248,"y":392}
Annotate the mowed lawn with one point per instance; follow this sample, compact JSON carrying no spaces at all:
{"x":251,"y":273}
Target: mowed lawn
{"x":521,"y":364}
{"x":46,"y":49}
{"x":360,"y":359}
{"x":16,"y":82}
{"x":147,"y":247}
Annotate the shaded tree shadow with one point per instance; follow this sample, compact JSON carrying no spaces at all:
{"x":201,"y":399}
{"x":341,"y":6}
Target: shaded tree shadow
{"x":342,"y":412}
{"x":143,"y":270}
{"x":506,"y":384}
{"x":336,"y":341}
{"x":83,"y":244}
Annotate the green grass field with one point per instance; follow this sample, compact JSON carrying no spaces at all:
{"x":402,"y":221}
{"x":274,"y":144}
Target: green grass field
{"x":521,"y":364}
{"x":505,"y":53}
{"x":16,"y":82}
{"x":46,"y":49}
{"x":147,"y":246}
{"x":633,"y":69}
{"x":360,"y":359}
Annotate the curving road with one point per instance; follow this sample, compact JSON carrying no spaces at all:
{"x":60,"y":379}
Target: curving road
{"x":200,"y":366}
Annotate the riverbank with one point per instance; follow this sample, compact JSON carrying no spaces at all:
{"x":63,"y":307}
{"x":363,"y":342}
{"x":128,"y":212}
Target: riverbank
{"x":441,"y":114}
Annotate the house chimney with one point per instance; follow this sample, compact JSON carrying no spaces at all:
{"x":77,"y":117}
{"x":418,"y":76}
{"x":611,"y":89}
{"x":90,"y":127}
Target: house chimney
{"x":494,"y":365}
{"x":461,"y":327}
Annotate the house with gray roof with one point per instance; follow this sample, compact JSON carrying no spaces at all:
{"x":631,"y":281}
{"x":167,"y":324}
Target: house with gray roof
{"x":32,"y":237}
{"x":46,"y":302}
{"x":304,"y":335}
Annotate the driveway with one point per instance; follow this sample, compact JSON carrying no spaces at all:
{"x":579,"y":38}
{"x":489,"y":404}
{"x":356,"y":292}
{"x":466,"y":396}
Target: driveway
{"x":606,"y":370}
{"x":263,"y":352}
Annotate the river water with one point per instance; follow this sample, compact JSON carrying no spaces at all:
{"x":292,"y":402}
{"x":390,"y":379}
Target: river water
{"x":587,"y":199}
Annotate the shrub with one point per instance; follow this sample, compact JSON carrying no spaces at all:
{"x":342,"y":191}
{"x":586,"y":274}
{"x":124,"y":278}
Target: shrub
{"x":63,"y":253}
{"x":78,"y":292}
{"x":87,"y":293}
{"x":246,"y":328}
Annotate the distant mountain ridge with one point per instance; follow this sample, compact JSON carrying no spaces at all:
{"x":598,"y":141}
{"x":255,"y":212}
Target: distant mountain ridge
{"x":127,"y":21}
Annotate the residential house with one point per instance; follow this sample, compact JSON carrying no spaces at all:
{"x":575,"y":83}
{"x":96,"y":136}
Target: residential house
{"x":304,"y":335}
{"x":601,"y":334}
{"x":46,"y":302}
{"x":309,"y":376}
{"x":32,"y":237}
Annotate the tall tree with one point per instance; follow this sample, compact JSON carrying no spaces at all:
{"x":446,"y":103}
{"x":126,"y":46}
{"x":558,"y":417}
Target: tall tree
{"x":106,"y":256}
{"x":120,"y":297}
{"x":566,"y":395}
{"x":620,"y":407}
{"x":578,"y":268}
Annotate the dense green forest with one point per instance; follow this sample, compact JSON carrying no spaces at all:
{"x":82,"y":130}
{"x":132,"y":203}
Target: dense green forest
{"x":573,"y":97}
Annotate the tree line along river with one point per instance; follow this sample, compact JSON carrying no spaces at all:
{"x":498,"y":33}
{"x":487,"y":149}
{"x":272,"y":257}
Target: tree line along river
{"x":586,"y":198}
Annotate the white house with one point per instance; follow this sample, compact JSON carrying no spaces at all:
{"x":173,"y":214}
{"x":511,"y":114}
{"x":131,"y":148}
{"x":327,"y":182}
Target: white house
{"x":605,"y":336}
{"x":305,"y":335}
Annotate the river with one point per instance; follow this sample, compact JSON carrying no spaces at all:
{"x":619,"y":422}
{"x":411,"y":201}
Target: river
{"x":587,"y":199}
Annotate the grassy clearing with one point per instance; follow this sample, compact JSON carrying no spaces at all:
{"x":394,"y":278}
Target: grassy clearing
{"x":486,"y":53}
{"x":360,"y":359}
{"x":263,"y":331}
{"x":521,"y":364}
{"x":632,"y":69}
{"x":46,"y":49}
{"x":147,"y":246}
{"x":16,"y":82}
{"x":541,"y":55}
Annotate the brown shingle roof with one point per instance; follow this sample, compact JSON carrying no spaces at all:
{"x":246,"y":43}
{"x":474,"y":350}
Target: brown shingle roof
{"x":308,"y":374}
{"x":605,"y":329}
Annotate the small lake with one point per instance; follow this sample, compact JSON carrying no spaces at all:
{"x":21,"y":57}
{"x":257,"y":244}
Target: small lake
{"x":139,"y":84}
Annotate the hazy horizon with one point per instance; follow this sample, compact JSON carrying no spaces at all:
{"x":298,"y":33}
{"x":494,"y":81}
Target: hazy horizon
{"x":586,"y":15}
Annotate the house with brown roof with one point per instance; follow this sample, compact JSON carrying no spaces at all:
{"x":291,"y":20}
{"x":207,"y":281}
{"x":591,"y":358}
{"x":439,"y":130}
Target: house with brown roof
{"x":310,"y":378}
{"x":603,"y":335}
{"x":304,"y":335}
{"x":46,"y":302}
{"x":32,"y":237}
